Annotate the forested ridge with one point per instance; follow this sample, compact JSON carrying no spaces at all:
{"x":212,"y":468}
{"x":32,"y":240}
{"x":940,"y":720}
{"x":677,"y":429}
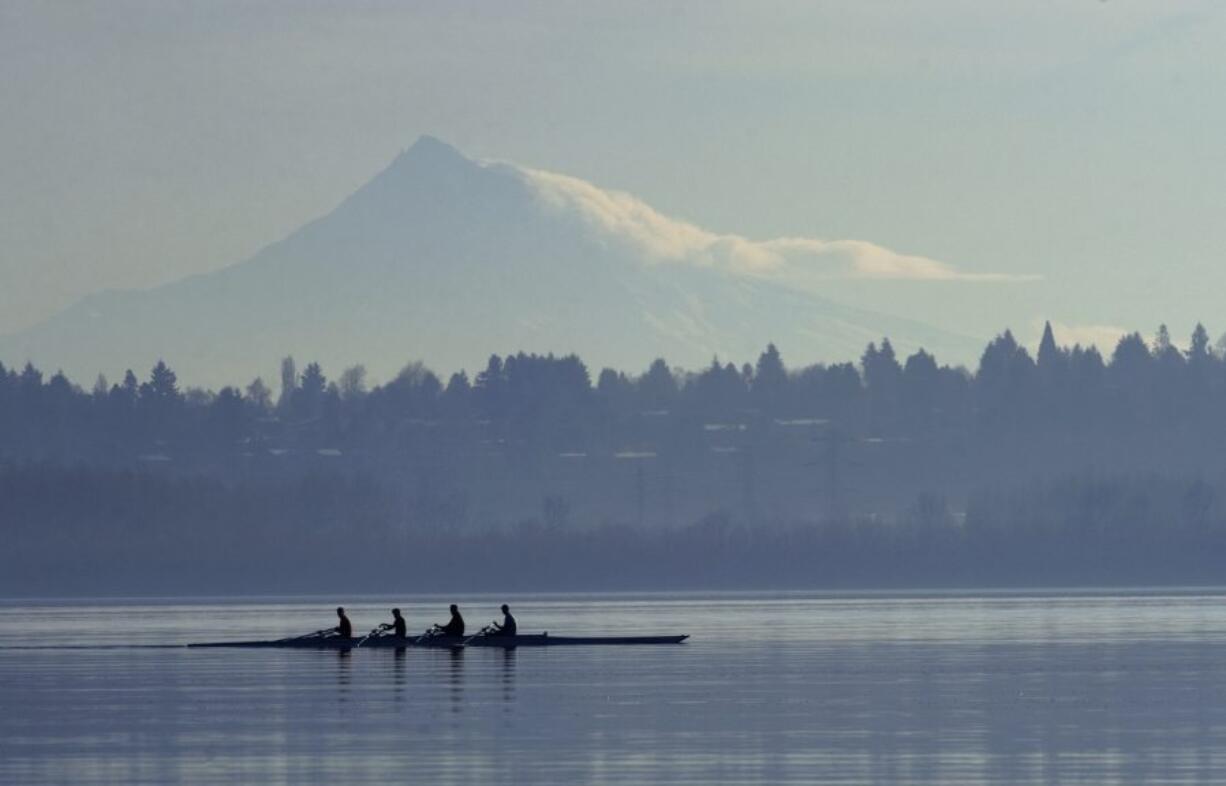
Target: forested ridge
{"x":1063,"y":467}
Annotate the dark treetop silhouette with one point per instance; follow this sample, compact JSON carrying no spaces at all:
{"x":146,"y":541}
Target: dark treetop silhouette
{"x":1065,"y":467}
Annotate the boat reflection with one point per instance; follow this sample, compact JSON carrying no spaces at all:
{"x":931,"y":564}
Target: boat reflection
{"x":398,"y":680}
{"x":344,"y":677}
{"x":455,"y":678}
{"x":508,"y":677}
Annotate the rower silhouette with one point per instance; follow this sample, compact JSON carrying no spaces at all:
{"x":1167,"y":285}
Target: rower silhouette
{"x":397,"y":625}
{"x":345,"y":628}
{"x":455,"y":626}
{"x":508,"y":626}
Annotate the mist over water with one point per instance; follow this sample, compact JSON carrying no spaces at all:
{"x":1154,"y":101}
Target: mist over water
{"x":785,"y":688}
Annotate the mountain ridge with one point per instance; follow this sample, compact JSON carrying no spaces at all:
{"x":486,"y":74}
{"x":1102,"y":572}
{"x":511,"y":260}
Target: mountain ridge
{"x":447,"y":259}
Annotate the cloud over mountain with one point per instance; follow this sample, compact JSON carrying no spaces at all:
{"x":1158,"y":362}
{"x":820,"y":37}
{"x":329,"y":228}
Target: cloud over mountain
{"x":447,"y":260}
{"x":623,"y":218}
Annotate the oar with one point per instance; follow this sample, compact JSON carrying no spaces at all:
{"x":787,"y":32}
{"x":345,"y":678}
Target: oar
{"x":483,"y":632}
{"x":432,"y":632}
{"x":309,"y":635}
{"x":367,"y":636}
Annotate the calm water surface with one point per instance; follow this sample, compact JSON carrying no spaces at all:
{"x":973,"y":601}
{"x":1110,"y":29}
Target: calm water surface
{"x":955,"y":688}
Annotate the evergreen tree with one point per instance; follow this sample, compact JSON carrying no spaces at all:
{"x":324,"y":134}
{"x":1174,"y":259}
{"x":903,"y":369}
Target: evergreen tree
{"x":1201,"y":380}
{"x":1164,"y":351}
{"x":1130,"y":362}
{"x":1051,"y":361}
{"x":123,"y":397}
{"x":1087,"y":377}
{"x":161,"y":401}
{"x":842,"y":392}
{"x":658,"y":387}
{"x":770,"y":381}
{"x":615,"y":390}
{"x":882,"y":373}
{"x":162,"y":387}
{"x":489,"y":386}
{"x":1052,"y":367}
{"x":30,"y":383}
{"x":130,"y":388}
{"x":309,"y":397}
{"x":1199,"y":352}
{"x":227,"y":418}
{"x":1004,"y":381}
{"x":289,"y":383}
{"x":458,"y":396}
{"x":921,"y":387}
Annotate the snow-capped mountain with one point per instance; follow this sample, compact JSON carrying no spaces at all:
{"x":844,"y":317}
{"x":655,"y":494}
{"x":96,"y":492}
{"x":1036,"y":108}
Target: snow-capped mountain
{"x":445,"y":259}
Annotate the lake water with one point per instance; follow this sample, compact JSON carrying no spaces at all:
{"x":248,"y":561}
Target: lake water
{"x":947,"y":688}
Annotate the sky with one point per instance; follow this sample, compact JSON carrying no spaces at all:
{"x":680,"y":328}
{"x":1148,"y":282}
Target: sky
{"x":1064,"y":158}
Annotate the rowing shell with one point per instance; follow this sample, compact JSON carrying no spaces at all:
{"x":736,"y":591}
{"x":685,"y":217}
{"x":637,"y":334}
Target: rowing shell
{"x":397,"y":642}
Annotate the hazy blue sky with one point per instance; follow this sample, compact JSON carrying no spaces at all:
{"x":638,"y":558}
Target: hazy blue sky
{"x":1077,"y":141}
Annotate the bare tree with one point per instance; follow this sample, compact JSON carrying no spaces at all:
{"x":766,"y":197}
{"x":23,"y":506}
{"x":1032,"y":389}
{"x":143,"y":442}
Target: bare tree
{"x":353,"y":382}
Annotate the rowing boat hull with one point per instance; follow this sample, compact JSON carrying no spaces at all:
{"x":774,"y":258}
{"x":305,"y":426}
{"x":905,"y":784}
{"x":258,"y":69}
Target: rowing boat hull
{"x":396,"y":642}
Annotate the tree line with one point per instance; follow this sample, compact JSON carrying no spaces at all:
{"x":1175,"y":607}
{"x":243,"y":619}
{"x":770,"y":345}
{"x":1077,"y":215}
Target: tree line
{"x":553,"y":403}
{"x":1064,"y":465}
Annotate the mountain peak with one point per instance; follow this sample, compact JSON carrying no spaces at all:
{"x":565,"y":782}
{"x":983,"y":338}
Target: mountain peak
{"x":452,"y":258}
{"x":430,"y":165}
{"x":432,"y":150}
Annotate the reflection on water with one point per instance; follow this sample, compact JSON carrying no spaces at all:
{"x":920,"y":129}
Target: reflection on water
{"x":508,"y":674}
{"x":399,"y":656}
{"x":342,"y":673}
{"x":937,"y":689}
{"x":455,"y":678}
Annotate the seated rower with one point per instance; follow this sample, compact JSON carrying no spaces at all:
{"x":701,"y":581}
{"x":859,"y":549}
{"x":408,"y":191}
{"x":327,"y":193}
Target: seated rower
{"x":454,"y":627}
{"x":508,"y":627}
{"x":397,"y":625}
{"x":345,"y":628}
